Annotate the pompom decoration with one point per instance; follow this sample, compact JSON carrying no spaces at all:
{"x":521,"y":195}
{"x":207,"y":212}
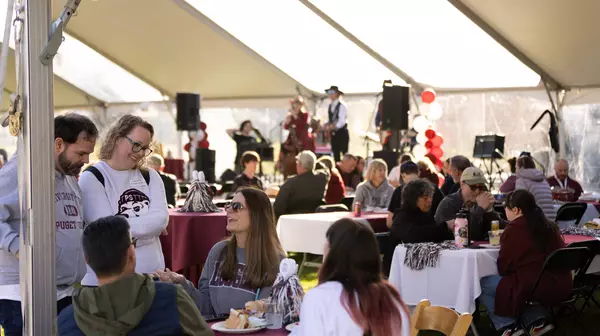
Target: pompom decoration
{"x":200,"y":197}
{"x":287,"y":291}
{"x":428,"y":96}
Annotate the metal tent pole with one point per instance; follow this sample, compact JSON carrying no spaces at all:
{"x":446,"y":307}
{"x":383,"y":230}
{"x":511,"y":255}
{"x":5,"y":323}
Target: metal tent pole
{"x":38,"y":281}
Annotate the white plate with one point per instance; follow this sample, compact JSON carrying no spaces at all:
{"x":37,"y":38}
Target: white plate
{"x":220,"y":327}
{"x":291,"y":326}
{"x":490,"y":246}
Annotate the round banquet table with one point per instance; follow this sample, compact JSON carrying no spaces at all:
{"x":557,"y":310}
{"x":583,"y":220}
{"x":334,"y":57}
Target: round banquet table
{"x":305,"y":233}
{"x":191,"y":236}
{"x":454,"y":282}
{"x":264,"y":332}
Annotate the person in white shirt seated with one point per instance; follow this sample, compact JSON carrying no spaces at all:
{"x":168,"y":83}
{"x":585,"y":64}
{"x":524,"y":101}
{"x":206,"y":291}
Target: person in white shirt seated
{"x":121,"y":185}
{"x":394,"y":177}
{"x":352,"y":298}
{"x":375,"y":193}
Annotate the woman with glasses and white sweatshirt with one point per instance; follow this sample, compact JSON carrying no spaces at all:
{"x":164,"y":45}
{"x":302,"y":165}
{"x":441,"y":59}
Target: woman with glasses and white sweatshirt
{"x":120,"y":185}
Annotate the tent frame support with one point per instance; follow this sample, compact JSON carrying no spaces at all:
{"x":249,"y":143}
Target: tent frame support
{"x":557,"y":108}
{"x":416,"y":86}
{"x":546,"y":78}
{"x":38,"y":232}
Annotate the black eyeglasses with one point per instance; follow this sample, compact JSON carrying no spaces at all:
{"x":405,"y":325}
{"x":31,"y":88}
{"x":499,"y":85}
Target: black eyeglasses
{"x":234,"y":206}
{"x":137,"y":147}
{"x":478,"y":187}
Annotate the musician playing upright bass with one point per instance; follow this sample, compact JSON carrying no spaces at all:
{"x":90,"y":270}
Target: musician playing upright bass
{"x":338,"y":123}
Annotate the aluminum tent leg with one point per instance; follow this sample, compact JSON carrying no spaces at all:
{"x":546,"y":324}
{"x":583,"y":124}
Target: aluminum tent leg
{"x":36,"y":182}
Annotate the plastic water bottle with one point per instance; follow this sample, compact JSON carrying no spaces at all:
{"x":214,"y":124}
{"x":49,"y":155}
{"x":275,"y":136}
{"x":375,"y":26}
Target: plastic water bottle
{"x":461,"y":230}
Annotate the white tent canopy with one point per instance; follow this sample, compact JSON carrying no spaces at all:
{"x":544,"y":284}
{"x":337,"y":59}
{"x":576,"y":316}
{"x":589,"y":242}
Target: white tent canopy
{"x":148,"y":50}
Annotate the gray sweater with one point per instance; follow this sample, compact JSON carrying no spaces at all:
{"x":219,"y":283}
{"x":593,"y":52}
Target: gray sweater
{"x":374,"y":197}
{"x":216,"y":296}
{"x":70,"y":265}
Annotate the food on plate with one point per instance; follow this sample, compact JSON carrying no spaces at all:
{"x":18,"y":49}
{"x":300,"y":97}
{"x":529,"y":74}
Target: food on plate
{"x":592,"y":225}
{"x":255,"y":307}
{"x":237,"y":320}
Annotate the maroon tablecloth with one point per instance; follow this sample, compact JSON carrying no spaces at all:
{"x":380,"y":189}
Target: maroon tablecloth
{"x":596,"y":204}
{"x":264,"y":332}
{"x":175,"y":167}
{"x":191,"y":236}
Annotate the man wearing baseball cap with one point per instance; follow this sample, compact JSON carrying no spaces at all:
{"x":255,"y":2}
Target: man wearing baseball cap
{"x":473,"y":196}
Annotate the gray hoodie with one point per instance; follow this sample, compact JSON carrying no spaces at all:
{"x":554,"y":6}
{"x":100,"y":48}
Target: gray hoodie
{"x":70,"y":265}
{"x":370,"y":196}
{"x":534,"y":181}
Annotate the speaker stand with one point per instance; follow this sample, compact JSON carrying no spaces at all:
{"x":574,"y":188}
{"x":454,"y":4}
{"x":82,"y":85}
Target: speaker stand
{"x":489,"y":170}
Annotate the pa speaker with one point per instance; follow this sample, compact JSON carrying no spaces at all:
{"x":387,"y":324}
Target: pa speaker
{"x":205,"y":162}
{"x":188,"y":111}
{"x":488,"y":147}
{"x":395,"y":108}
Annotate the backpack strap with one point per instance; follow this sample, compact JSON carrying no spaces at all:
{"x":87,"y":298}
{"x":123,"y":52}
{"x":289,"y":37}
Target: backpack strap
{"x":97,"y":173}
{"x":146,"y":175}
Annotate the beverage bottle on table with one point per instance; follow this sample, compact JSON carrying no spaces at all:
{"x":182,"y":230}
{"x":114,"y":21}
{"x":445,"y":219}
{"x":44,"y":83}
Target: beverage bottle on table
{"x":495,"y":225}
{"x":357,"y":210}
{"x":461,"y":230}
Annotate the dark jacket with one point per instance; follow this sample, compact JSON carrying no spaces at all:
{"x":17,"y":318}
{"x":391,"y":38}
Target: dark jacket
{"x":415,"y":226}
{"x":449,"y":185}
{"x":396,"y":202}
{"x":244,"y":181}
{"x":170,"y":182}
{"x":480,"y":220}
{"x":572,"y":184}
{"x":519,"y":263}
{"x":132,"y":305}
{"x":302,"y":193}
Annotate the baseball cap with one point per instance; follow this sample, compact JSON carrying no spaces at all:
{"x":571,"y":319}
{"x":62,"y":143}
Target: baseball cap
{"x":473,"y":176}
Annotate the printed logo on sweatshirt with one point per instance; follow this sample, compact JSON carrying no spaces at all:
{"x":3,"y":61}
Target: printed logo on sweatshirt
{"x":71,"y":210}
{"x":133,"y":203}
{"x":239,"y":282}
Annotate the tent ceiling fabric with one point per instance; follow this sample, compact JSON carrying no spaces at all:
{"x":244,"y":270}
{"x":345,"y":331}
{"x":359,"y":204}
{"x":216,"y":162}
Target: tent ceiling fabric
{"x":166,"y":44}
{"x":557,"y":35}
{"x":65,"y":94}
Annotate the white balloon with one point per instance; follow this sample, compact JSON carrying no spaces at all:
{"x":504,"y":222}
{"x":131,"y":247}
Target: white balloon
{"x":435,"y":111}
{"x":419,"y":151}
{"x":421,"y":138}
{"x":421,"y":124}
{"x":200,"y":135}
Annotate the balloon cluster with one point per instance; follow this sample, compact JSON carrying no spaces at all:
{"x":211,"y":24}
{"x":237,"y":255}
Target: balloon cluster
{"x":198,"y":139}
{"x":429,"y":142}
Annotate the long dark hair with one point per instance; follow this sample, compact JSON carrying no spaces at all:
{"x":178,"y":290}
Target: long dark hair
{"x":414,"y":190}
{"x":353,"y":260}
{"x":263,"y":249}
{"x":544,"y":232}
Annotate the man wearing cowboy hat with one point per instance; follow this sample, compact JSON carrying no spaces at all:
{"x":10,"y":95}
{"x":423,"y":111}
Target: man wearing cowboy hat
{"x":338,"y":117}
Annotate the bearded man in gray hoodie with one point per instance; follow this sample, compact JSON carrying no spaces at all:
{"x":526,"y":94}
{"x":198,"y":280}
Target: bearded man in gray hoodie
{"x":74,"y":140}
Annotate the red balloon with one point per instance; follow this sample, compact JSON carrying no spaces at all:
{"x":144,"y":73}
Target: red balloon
{"x":440,"y":164}
{"x":429,"y":134}
{"x":432,"y":158}
{"x":429,"y":144}
{"x":437,"y":141}
{"x":428,"y":96}
{"x":437,"y":152}
{"x":202,"y":126}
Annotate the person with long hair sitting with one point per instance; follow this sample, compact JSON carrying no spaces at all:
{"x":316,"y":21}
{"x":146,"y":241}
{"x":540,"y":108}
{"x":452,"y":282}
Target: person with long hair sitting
{"x":526,"y":242}
{"x":242,"y":268}
{"x":375,"y":192}
{"x":352,"y":297}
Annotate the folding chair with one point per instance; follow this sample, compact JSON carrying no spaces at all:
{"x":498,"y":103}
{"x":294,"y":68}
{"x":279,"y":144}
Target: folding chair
{"x":562,"y":260}
{"x":440,"y":319}
{"x":571,"y":212}
{"x":347,"y":201}
{"x":586,"y":284}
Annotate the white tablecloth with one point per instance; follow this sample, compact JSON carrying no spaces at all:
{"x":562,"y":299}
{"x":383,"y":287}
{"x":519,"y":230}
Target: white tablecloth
{"x":453,"y":283}
{"x":306,"y":232}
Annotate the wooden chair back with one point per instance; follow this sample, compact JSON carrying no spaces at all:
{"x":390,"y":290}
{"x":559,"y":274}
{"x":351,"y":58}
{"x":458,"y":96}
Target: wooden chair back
{"x":440,"y":319}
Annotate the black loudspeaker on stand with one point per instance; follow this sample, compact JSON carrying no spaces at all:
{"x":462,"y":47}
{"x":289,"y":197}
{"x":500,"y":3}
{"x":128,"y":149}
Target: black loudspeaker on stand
{"x":188,"y":111}
{"x":394,"y":114}
{"x":490,"y":147}
{"x":205,"y":162}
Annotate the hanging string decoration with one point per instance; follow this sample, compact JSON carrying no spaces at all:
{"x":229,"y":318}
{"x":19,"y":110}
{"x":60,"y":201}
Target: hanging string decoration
{"x":200,"y":197}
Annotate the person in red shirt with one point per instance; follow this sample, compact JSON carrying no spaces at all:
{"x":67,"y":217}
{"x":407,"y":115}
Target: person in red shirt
{"x":562,"y":180}
{"x":526,"y":242}
{"x":298,"y":119}
{"x":336,"y":190}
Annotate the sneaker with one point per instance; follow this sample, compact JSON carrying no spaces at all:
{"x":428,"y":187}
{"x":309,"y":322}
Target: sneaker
{"x":540,"y":328}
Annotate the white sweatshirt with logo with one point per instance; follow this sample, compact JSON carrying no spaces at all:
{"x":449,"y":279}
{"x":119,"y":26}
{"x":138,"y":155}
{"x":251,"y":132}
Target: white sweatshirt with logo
{"x":126,"y":193}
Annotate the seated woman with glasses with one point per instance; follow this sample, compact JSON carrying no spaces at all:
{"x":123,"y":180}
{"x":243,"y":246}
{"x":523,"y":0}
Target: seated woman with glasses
{"x":242,"y":268}
{"x":524,"y":246}
{"x":413,"y":223}
{"x":352,"y":298}
{"x":120,"y":184}
{"x":375,"y":192}
{"x":474,"y":197}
